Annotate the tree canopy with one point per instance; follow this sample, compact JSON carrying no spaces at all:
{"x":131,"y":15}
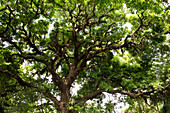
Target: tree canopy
{"x":47,"y":47}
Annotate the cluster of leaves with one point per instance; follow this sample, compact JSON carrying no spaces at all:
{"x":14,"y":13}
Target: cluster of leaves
{"x":62,"y":42}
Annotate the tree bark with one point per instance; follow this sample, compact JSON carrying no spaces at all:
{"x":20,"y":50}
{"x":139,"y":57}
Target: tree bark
{"x":65,"y":98}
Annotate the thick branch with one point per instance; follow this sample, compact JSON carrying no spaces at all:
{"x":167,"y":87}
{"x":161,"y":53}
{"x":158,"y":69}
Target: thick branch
{"x":90,"y":96}
{"x":91,"y":54}
{"x":75,"y":46}
{"x":99,"y":92}
{"x":56,"y":78}
{"x":31,"y":57}
{"x":20,"y":81}
{"x":74,"y":72}
{"x":27,"y":84}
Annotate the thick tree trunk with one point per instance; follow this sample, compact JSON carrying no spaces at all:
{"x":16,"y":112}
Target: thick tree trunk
{"x":65,"y":98}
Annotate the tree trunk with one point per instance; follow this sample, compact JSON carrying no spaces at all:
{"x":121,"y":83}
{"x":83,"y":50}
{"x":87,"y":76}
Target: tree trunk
{"x":65,"y":98}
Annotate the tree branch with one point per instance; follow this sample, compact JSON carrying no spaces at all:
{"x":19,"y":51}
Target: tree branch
{"x":34,"y":47}
{"x":90,"y":54}
{"x":75,"y":71}
{"x":29,"y":56}
{"x":4,"y":8}
{"x":90,"y":96}
{"x":8,"y":23}
{"x":55,"y":77}
{"x":99,"y":92}
{"x":140,"y":26}
{"x":27,"y":84}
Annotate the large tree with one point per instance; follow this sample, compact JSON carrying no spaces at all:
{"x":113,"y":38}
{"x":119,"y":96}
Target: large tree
{"x":49,"y":46}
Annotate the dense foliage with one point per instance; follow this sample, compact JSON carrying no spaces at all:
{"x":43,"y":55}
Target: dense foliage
{"x":48,"y":47}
